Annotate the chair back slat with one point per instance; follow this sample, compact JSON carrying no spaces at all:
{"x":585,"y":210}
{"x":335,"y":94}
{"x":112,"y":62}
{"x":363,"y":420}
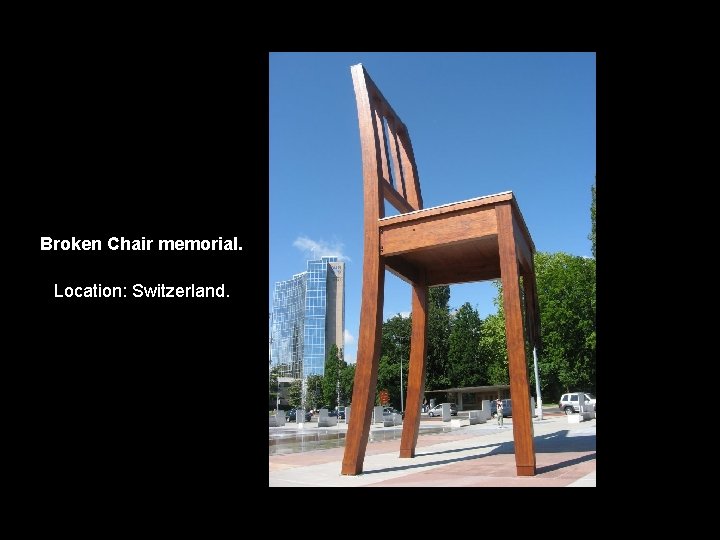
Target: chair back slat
{"x":395,"y":172}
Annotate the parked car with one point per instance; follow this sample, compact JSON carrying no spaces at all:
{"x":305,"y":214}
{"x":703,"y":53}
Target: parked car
{"x":506,"y":410}
{"x":341,"y":413}
{"x":570,"y":403}
{"x":292,"y":414}
{"x":437,"y":410}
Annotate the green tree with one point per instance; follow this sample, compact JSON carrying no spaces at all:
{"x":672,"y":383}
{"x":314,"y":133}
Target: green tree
{"x":347,"y":381}
{"x":333,"y":368}
{"x":295,"y":394}
{"x":493,"y":344}
{"x":388,"y":379}
{"x":465,"y":366}
{"x":438,"y":334}
{"x":314,"y":396}
{"x":395,"y":340}
{"x":566,"y":298}
{"x":566,"y":295}
{"x":273,"y":386}
{"x":394,"y":351}
{"x":395,"y":347}
{"x":591,"y":237}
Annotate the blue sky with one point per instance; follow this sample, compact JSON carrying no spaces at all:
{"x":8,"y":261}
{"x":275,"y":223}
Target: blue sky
{"x":480,"y":123}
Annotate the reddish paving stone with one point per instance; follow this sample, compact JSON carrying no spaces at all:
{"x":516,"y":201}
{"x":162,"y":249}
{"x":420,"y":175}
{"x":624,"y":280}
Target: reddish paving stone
{"x":498,"y":470}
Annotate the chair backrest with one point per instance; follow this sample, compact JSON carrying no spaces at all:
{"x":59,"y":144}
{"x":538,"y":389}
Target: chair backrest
{"x":389,"y":170}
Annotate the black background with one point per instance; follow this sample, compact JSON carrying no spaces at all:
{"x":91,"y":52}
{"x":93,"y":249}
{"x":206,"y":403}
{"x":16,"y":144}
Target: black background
{"x":166,"y":140}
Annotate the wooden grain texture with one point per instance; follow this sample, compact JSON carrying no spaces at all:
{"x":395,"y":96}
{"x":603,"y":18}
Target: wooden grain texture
{"x":371,"y":306}
{"x":449,"y":228}
{"x":394,"y":198}
{"x":412,"y":179}
{"x":375,"y":95}
{"x":519,"y":221}
{"x":381,"y":154}
{"x":395,"y":158}
{"x":471,"y":240}
{"x":522,"y":248}
{"x":406,"y":271}
{"x":488,"y":200}
{"x":465,"y":273}
{"x":366,"y":367}
{"x":522,"y":421}
{"x":416,"y":374}
{"x":460,"y":262}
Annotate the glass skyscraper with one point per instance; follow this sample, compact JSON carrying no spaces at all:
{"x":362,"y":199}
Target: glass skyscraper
{"x":308,"y":316}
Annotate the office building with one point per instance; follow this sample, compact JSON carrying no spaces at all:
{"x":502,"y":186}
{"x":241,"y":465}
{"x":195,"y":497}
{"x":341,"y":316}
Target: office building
{"x":308,"y":317}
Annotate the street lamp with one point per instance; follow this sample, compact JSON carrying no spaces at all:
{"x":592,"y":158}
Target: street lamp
{"x":537,"y":386}
{"x":402,"y":407}
{"x":277,"y":397}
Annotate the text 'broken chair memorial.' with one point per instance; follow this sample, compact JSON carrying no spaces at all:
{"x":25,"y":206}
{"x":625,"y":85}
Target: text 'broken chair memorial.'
{"x":473,"y":240}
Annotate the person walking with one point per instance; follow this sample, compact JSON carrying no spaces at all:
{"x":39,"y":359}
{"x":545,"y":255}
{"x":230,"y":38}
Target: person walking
{"x":499,"y":404}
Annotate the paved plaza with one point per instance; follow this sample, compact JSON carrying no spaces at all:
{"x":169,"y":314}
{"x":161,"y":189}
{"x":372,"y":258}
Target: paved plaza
{"x":481,"y":455}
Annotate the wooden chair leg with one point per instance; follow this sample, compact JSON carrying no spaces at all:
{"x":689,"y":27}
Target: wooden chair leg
{"x":416,"y":375}
{"x":522,"y":421}
{"x":366,"y":368}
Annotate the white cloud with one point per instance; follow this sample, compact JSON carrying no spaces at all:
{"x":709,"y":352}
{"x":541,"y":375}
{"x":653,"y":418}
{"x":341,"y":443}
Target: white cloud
{"x":314,"y":249}
{"x":349,"y":338}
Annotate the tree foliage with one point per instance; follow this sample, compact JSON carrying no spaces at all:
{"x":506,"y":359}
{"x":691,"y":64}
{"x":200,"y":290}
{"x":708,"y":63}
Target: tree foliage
{"x":465,"y":367}
{"x":273,"y":386}
{"x":389,"y":379}
{"x":493,"y":343}
{"x":394,"y":351}
{"x":591,"y":237}
{"x":347,"y":380}
{"x":566,"y":295}
{"x":314,"y":396}
{"x":395,"y":340}
{"x":395,"y":345}
{"x":438,"y":334}
{"x":566,"y":299}
{"x":295,"y":394}
{"x":334,"y":364}
{"x":493,"y":349}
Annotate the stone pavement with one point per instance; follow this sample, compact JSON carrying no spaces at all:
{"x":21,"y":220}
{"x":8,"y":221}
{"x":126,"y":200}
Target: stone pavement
{"x":481,"y":455}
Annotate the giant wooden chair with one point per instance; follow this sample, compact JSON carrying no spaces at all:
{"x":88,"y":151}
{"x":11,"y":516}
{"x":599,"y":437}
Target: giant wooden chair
{"x":473,"y":240}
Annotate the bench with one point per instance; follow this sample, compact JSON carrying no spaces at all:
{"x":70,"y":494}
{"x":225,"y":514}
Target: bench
{"x":278,"y":419}
{"x":478,"y":417}
{"x":326,"y":420}
{"x":377,"y":416}
{"x":390,"y":420}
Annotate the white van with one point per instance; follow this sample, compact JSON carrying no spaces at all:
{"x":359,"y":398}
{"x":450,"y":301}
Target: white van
{"x":570,"y":402}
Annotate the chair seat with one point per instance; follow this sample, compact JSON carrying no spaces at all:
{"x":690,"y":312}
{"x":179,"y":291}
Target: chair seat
{"x":452,"y":243}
